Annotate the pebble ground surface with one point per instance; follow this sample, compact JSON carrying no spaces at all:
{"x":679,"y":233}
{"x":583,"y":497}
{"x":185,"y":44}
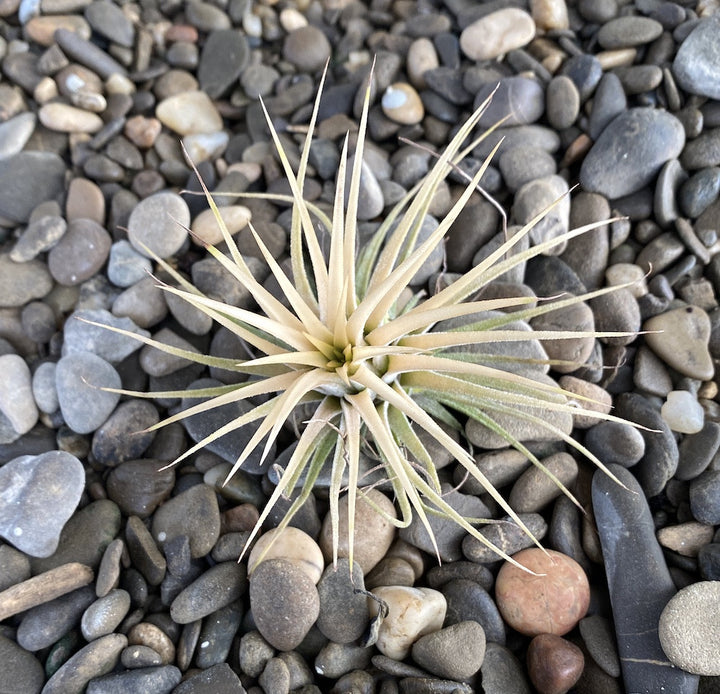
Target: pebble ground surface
{"x":120,"y":575}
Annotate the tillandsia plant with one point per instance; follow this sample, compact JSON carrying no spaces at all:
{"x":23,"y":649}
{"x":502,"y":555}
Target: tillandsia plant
{"x":376,"y":366}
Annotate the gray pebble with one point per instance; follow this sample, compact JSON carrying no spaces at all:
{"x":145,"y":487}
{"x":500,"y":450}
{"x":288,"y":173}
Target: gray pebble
{"x":609,"y":101}
{"x":20,"y":283}
{"x":522,"y":98}
{"x":307,"y":48}
{"x":45,"y":624}
{"x":21,"y":668}
{"x":284,"y":602}
{"x":705,"y":497}
{"x":207,"y":17}
{"x":219,"y":679}
{"x":562,"y":102}
{"x":15,"y":132}
{"x":697,"y":61}
{"x":159,"y":680}
{"x":126,"y":266}
{"x":619,"y":312}
{"x":275,"y":677}
{"x":438,"y":576}
{"x":44,"y":390}
{"x":81,"y":336}
{"x":108,"y":575}
{"x":217,"y":634}
{"x":448,"y":535}
{"x":467,"y":601}
{"x":144,"y":553}
{"x":79,"y":379}
{"x":534,"y":489}
{"x":626,"y":32}
{"x":533,"y":198}
{"x":156,"y":362}
{"x":615,"y":442}
{"x":224,"y":56}
{"x":80,"y":253}
{"x":94,"y":660}
{"x":41,"y":235}
{"x":697,"y":451}
{"x":40,"y":494}
{"x":105,"y":614}
{"x":699,"y":191}
{"x":108,"y":19}
{"x":502,"y":672}
{"x":14,"y":566}
{"x":599,"y":639}
{"x":455,"y":652}
{"x":17,"y":403}
{"x":703,"y":151}
{"x":335,"y":660}
{"x":344,"y":613}
{"x":566,"y":533}
{"x":122,"y":436}
{"x":585,"y":71}
{"x":158,"y":225}
{"x":26,"y":179}
{"x":254,"y":653}
{"x":193,"y":513}
{"x":646,"y":139}
{"x":507,"y":536}
{"x":524,"y":164}
{"x":139,"y":486}
{"x":84,"y":537}
{"x":138,"y":656}
{"x":144,"y":303}
{"x":87,"y":53}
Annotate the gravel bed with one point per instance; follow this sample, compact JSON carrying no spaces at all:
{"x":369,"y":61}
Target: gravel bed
{"x":119,"y":574}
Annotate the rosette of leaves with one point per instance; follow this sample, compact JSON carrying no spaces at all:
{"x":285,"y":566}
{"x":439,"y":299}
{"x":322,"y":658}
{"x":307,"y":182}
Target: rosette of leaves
{"x":369,"y":360}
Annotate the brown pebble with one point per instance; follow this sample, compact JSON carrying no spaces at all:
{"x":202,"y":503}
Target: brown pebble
{"x":181,"y":32}
{"x":554,"y":664}
{"x":85,"y":200}
{"x":43,"y":588}
{"x":142,"y":131}
{"x":552,"y":601}
{"x":146,"y":634}
{"x":240,"y":518}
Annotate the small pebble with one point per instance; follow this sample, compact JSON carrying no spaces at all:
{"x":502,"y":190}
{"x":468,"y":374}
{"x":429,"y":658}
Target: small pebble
{"x":554,"y":664}
{"x":683,"y":413}
{"x":497,"y":33}
{"x":290,"y":544}
{"x":402,"y":104}
{"x":412,"y":613}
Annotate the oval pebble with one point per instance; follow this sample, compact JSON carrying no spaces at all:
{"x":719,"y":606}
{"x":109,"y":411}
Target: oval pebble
{"x":80,"y":253}
{"x":307,"y":48}
{"x":689,"y":629}
{"x":402,"y":104}
{"x":158,"y":225}
{"x":189,"y":113}
{"x":105,"y":614}
{"x":284,"y":603}
{"x":454,"y":653}
{"x":290,"y":544}
{"x":554,"y":664}
{"x":497,"y":33}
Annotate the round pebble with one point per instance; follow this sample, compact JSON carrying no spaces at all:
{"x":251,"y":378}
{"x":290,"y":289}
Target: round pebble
{"x":402,"y":104}
{"x":307,"y":48}
{"x":290,"y":544}
{"x":551,"y":603}
{"x":80,"y":253}
{"x":683,"y":413}
{"x":689,"y":629}
{"x":454,"y":653}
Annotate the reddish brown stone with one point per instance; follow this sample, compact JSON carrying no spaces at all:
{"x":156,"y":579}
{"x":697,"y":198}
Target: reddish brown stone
{"x":551,"y":601}
{"x":554,"y":664}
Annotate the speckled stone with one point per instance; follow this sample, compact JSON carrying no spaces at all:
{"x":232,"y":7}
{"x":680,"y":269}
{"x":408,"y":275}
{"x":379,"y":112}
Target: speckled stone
{"x":551,"y":603}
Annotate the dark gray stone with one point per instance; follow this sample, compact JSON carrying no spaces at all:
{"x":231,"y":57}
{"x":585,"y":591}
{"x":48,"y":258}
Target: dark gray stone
{"x":224,"y":56}
{"x":159,"y":680}
{"x":630,"y":152}
{"x":466,"y":600}
{"x":634,"y":558}
{"x":344,"y":614}
{"x":27,"y":179}
{"x":697,"y":63}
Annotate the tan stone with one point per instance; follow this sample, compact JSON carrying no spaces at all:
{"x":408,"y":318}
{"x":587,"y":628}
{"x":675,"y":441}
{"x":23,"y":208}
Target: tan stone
{"x":188,"y":113}
{"x":402,"y":104}
{"x":497,"y":33}
{"x":412,"y":613}
{"x":206,"y":229}
{"x":69,"y":119}
{"x":290,"y":544}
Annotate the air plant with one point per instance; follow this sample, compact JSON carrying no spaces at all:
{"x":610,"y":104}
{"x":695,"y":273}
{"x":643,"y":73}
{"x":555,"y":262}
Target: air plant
{"x":376,"y":366}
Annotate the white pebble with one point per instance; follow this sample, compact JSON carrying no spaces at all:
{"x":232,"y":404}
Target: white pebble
{"x":682,"y":412}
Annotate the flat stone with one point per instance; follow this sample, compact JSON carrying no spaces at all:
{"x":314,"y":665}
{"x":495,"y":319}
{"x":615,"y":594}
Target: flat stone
{"x":194,"y":513}
{"x":80,"y":253}
{"x":40,"y":493}
{"x":158,"y":225}
{"x":681,"y":341}
{"x":20,"y":283}
{"x":224,"y":56}
{"x":21,"y":667}
{"x":632,"y":558}
{"x":344,"y":614}
{"x":110,"y":21}
{"x":14,"y":134}
{"x":80,"y":378}
{"x":161,"y":680}
{"x":16,"y":396}
{"x":454,"y":653}
{"x":40,"y":235}
{"x":697,"y":63}
{"x":630,"y":152}
{"x":43,"y":173}
{"x":216,"y":588}
{"x":307,"y":47}
{"x":82,"y":336}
